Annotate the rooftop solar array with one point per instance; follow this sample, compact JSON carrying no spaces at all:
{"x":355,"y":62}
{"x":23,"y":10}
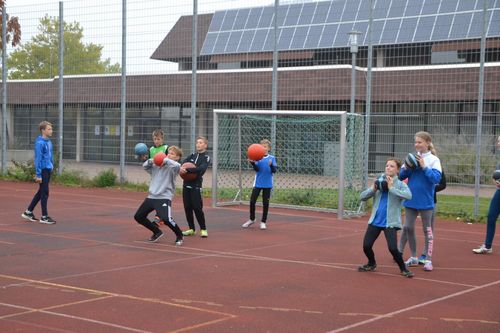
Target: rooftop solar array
{"x":326,"y":24}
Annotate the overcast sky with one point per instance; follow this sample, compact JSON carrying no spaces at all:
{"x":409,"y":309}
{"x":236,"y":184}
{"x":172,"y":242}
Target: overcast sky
{"x":148,"y":22}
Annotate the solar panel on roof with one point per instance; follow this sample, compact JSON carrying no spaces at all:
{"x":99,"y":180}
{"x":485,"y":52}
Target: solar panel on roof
{"x":460,"y":26}
{"x":390,"y":32}
{"x":307,"y":13}
{"x":442,"y":27}
{"x":326,"y":24}
{"x":299,"y":37}
{"x":448,"y":6}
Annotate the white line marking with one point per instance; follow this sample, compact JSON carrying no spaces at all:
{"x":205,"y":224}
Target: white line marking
{"x":416,"y":306}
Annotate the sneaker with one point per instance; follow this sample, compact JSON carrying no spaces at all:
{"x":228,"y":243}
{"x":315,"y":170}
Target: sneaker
{"x":412,"y":261}
{"x":155,"y":237}
{"x":428,"y":266}
{"x":422,"y":259}
{"x":247,"y":223}
{"x":263,"y":226}
{"x":189,"y":232}
{"x":204,"y":233}
{"x":367,"y":268}
{"x":480,"y":250}
{"x":407,"y":273}
{"x":29,"y":216}
{"x":179,"y":241}
{"x":47,"y":220}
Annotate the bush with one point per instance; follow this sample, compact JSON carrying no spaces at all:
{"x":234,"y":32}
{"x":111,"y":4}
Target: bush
{"x":24,"y":171}
{"x":105,"y":178}
{"x":72,"y":178}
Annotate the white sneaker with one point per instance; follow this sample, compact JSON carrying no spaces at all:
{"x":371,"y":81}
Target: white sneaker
{"x":482,"y":250}
{"x":247,"y":224}
{"x":263,"y":226}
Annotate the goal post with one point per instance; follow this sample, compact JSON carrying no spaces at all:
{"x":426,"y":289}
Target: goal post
{"x":319,"y":156}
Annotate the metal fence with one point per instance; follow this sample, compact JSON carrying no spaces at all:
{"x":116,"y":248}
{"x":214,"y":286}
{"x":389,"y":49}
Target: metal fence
{"x":133,"y":66}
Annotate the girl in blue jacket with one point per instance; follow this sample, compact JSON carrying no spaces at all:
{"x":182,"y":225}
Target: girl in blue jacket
{"x":386,"y":215}
{"x":422,"y":180}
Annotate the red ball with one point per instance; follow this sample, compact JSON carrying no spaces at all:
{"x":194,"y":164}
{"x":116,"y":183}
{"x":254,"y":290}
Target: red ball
{"x":256,"y":152}
{"x":158,"y":158}
{"x":188,"y":176}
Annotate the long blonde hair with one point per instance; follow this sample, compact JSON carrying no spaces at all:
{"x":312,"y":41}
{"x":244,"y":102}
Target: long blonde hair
{"x":427,"y":138}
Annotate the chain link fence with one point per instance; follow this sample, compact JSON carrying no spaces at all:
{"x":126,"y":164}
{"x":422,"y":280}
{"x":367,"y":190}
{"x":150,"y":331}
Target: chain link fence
{"x":430,"y":65}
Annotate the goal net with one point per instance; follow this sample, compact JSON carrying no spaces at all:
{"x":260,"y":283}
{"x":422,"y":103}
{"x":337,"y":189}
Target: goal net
{"x":319,"y":156}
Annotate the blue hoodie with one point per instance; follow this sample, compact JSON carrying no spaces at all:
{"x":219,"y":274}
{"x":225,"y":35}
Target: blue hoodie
{"x":422,"y":182}
{"x":43,"y":155}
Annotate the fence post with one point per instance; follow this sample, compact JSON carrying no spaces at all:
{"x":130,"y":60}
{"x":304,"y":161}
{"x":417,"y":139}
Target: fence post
{"x":61,"y":86}
{"x":4,"y":90}
{"x":123,"y":107}
{"x":479,"y":124}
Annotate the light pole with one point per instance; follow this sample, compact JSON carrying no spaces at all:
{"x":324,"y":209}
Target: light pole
{"x":353,"y":42}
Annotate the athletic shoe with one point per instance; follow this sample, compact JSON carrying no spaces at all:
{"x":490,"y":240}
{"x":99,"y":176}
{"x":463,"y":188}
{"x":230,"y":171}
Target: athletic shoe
{"x":29,"y":216}
{"x":263,"y":226}
{"x":421,"y":259}
{"x":480,"y":250}
{"x":412,"y":261}
{"x":247,"y":223}
{"x":204,"y":233}
{"x":367,"y":268}
{"x":47,"y":220}
{"x":179,"y":241}
{"x":428,"y":266}
{"x":407,"y":273}
{"x":189,"y":232}
{"x":156,"y":236}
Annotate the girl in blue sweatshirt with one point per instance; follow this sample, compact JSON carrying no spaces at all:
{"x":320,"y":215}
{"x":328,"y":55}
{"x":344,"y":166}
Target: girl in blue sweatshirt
{"x":422,"y":180}
{"x":386,"y":215}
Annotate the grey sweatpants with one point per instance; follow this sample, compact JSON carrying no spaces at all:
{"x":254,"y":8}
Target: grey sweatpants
{"x":409,"y":235}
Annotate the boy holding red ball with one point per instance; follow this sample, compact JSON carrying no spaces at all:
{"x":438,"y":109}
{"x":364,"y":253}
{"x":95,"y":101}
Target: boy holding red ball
{"x":161,"y":193}
{"x":264,"y":170}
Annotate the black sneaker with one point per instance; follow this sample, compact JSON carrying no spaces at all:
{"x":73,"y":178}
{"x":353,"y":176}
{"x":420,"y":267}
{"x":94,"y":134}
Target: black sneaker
{"x":407,"y":273}
{"x":29,"y":216}
{"x":367,"y":268}
{"x":155,"y":237}
{"x":47,"y":220}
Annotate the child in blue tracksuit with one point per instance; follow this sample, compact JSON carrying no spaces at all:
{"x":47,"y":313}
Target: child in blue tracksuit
{"x":264,"y":170}
{"x":422,"y":180}
{"x":493,"y":213}
{"x":44,"y":163}
{"x":386,"y":215}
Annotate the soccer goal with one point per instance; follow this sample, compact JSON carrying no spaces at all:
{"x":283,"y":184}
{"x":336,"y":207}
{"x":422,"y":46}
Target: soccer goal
{"x":319,"y":156}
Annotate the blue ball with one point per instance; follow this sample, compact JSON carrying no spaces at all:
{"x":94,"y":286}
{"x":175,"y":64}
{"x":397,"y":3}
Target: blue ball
{"x":141,"y":149}
{"x":496,"y":175}
{"x":411,"y":161}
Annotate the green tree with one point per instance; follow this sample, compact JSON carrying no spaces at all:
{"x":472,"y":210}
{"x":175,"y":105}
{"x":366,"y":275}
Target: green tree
{"x":13,"y":28}
{"x":39,"y":58}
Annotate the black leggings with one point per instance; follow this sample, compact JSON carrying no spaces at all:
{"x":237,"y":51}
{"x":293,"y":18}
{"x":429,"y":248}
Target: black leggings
{"x":163,"y":211}
{"x":193,"y":202}
{"x":266,"y":195}
{"x":42,"y":194}
{"x":391,"y":236}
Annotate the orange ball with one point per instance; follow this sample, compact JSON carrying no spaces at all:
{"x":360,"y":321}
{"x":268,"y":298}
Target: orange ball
{"x":256,"y":152}
{"x":158,"y":158}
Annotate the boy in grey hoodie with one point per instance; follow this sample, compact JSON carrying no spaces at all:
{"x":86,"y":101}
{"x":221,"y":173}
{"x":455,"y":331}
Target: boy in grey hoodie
{"x":161,"y":193}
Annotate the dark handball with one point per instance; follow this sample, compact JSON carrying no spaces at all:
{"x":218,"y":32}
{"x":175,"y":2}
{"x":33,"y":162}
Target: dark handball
{"x":411,"y":161}
{"x":496,"y":175}
{"x":381,"y":183}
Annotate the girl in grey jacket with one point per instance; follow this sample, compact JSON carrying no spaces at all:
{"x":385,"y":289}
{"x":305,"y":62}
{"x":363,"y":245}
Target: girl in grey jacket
{"x":389,"y":193}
